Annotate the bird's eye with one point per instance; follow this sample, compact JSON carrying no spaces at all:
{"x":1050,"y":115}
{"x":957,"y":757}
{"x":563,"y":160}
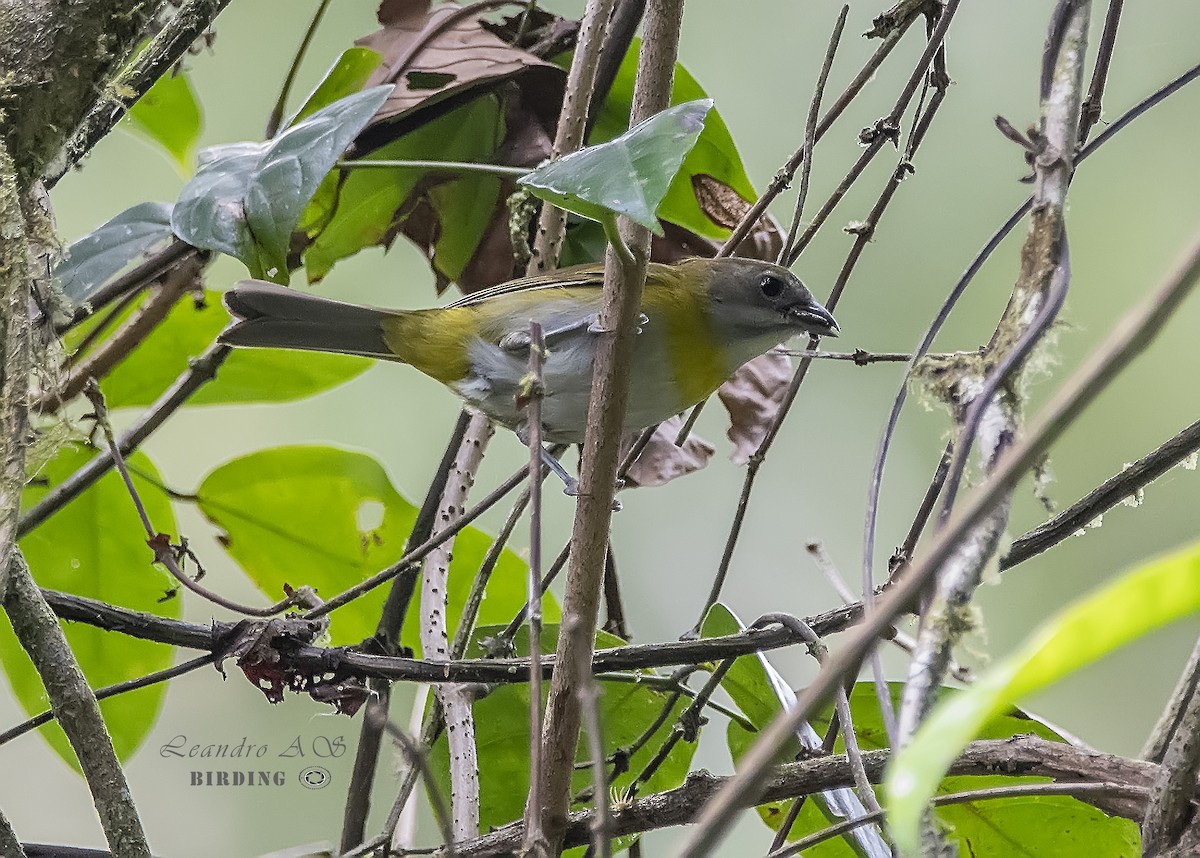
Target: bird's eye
{"x":771,"y":286}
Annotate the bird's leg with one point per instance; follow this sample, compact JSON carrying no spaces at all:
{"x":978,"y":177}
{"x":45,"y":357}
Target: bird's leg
{"x":570,"y":483}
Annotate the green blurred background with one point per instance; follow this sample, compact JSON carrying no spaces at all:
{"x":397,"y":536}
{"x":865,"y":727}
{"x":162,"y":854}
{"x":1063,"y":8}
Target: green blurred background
{"x":1132,"y":208}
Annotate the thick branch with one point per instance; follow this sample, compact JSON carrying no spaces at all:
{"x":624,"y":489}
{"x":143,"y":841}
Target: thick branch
{"x":1025,"y":755}
{"x":56,"y":59}
{"x":624,"y":278}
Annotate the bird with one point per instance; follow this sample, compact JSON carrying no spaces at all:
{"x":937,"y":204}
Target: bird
{"x":700,"y":320}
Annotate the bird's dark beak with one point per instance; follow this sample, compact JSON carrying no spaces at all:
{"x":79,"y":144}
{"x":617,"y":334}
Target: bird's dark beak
{"x":815,"y":320}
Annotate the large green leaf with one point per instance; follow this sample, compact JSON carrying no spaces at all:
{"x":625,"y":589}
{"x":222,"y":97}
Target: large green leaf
{"x":1137,"y":603}
{"x":714,"y":160}
{"x":246,"y":199}
{"x":95,"y":547}
{"x":365,"y":209}
{"x":329,"y":518}
{"x":92,"y":260}
{"x":502,"y":736}
{"x":248,"y":375}
{"x":169,"y":115}
{"x":629,"y":175}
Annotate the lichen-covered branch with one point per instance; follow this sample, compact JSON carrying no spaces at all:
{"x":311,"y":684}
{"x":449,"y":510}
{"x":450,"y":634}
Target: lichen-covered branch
{"x":56,"y":59}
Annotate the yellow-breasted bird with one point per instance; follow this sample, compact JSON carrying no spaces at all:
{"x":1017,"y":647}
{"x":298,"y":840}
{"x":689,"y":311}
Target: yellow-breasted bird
{"x":701,"y":319}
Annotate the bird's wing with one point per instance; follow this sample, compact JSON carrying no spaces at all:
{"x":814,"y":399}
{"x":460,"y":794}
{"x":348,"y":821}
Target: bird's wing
{"x":579,"y":275}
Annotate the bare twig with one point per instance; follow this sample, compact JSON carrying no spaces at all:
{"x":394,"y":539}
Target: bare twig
{"x":387,"y":637}
{"x":112,"y":691}
{"x":1132,"y":479}
{"x":160,"y":543}
{"x":572,"y":120}
{"x":276,"y":117}
{"x":418,"y":760}
{"x":1074,"y":790}
{"x":991,"y":403}
{"x":535,"y":839}
{"x":455,"y":699}
{"x":1092,"y":107}
{"x":810,"y":136}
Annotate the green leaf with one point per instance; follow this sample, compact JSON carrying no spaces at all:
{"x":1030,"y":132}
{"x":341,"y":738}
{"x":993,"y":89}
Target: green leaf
{"x":627,"y":709}
{"x":246,"y":198}
{"x":715,"y":155}
{"x":95,"y":547}
{"x":629,"y":175}
{"x":100,"y":255}
{"x":1139,"y":602}
{"x":365,"y":210}
{"x":248,"y":375}
{"x":347,"y":75}
{"x":169,"y":115}
{"x":330,"y":518}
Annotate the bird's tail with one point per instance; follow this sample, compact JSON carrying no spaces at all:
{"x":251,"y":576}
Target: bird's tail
{"x":270,"y":316}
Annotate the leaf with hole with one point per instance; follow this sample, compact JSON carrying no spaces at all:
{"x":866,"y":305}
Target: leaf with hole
{"x":629,"y":175}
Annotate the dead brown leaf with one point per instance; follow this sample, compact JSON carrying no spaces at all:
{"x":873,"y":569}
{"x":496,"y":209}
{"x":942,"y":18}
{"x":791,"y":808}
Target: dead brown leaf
{"x":436,"y":54}
{"x":662,"y":461}
{"x":752,"y":397}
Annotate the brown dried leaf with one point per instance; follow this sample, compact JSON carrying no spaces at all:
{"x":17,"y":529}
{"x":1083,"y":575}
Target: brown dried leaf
{"x":752,"y":397}
{"x":431,"y":59}
{"x":662,"y":461}
{"x":725,"y":207}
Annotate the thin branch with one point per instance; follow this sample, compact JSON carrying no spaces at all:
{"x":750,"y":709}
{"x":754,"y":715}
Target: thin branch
{"x":1092,"y":108}
{"x":1131,"y":336}
{"x":199,"y":372}
{"x":624,"y":279}
{"x":810,"y":135}
{"x":1131,"y":480}
{"x":418,"y":759}
{"x":535,"y":843}
{"x":951,"y":301}
{"x":215,"y":636}
{"x":276,"y":117}
{"x":160,"y":543}
{"x":387,"y":636}
{"x":131,"y":83}
{"x":783,"y":177}
{"x":112,"y":691}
